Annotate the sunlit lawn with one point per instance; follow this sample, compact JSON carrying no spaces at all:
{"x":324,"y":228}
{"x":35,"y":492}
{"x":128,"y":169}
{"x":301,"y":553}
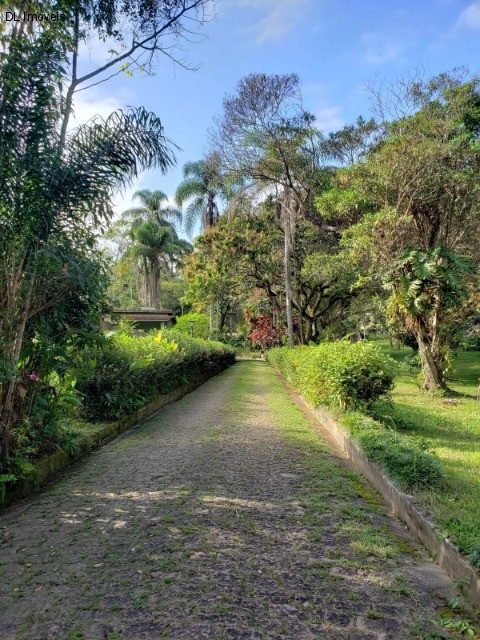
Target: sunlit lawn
{"x":452,"y":430}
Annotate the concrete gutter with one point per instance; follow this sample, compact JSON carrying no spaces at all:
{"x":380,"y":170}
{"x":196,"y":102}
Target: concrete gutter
{"x":48,"y":467}
{"x":444,"y":552}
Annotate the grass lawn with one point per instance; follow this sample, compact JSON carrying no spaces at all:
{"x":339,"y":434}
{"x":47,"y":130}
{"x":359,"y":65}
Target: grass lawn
{"x":452,"y":430}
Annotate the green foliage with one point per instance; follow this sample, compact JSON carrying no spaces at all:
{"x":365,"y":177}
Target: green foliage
{"x":238,"y":342}
{"x":5,"y":478}
{"x":472,"y":342}
{"x":462,"y":626}
{"x":402,"y":459}
{"x":423,"y":277}
{"x":412,"y":361}
{"x":474,"y":557}
{"x":406,"y":205}
{"x":340,"y":375}
{"x":172,"y":293}
{"x":56,"y":188}
{"x":129,"y":371}
{"x":201,"y":328}
{"x":204,"y":186}
{"x":149,"y":250}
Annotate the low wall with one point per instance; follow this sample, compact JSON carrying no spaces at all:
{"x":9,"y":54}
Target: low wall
{"x":403,"y":507}
{"x":48,"y":467}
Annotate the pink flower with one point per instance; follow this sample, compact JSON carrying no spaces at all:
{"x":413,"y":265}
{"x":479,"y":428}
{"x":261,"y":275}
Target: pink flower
{"x":34,"y":377}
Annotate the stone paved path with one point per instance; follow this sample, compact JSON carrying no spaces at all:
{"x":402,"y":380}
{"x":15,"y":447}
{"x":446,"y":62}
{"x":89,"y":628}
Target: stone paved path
{"x":222,"y":517}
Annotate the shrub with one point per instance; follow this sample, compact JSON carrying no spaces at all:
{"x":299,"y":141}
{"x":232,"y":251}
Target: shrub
{"x":344,"y":376}
{"x":129,"y":371}
{"x":412,"y":362}
{"x":262,"y":332}
{"x":474,"y":557}
{"x":201,"y":328}
{"x":472,"y":342}
{"x":340,"y":375}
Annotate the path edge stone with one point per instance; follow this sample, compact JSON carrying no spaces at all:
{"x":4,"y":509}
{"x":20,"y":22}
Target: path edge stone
{"x":47,"y":468}
{"x":444,"y":552}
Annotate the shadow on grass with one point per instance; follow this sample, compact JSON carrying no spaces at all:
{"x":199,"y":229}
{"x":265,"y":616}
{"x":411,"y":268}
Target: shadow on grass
{"x":426,"y":423}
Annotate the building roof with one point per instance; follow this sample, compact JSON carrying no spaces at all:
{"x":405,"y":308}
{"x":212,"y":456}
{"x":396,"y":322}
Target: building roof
{"x":145,"y":315}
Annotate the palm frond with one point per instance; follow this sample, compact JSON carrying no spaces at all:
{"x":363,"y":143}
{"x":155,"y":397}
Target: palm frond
{"x":134,"y":213}
{"x":189,"y":189}
{"x":102,"y":155}
{"x":193,"y":213}
{"x":195,"y":169}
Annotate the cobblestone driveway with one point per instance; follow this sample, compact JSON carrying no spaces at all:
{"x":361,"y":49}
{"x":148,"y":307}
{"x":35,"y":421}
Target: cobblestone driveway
{"x":225,"y":516}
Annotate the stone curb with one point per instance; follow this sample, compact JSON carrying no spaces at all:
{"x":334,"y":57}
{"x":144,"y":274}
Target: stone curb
{"x":48,"y":467}
{"x":443,"y":551}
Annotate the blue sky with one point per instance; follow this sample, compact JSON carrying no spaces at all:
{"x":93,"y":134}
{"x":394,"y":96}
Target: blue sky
{"x":335,"y":46}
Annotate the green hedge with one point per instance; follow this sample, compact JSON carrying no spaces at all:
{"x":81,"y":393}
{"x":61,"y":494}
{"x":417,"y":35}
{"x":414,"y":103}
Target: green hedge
{"x":349,"y":377}
{"x":128,"y":371}
{"x":200,"y":328}
{"x":339,"y":374}
{"x":407,"y":464}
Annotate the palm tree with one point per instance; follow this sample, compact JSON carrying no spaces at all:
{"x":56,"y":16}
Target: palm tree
{"x":147,"y":234}
{"x":156,"y":246}
{"x":204,"y":184}
{"x":153,"y":206}
{"x":68,"y":196}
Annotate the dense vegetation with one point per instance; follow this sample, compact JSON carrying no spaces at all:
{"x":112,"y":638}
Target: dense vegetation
{"x":307,"y":240}
{"x":108,"y":381}
{"x":375,"y":227}
{"x":344,"y":376}
{"x":128,"y":371}
{"x":450,"y":427}
{"x":337,"y":374}
{"x":57,"y":186}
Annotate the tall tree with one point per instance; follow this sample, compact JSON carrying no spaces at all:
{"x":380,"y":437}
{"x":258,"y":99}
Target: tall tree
{"x":157,"y":246}
{"x":204,"y":186}
{"x":267,"y":137}
{"x":154,"y":205}
{"x":148,"y":242}
{"x":56,"y":191}
{"x":139,"y":31}
{"x":412,"y":204}
{"x":239,"y":263}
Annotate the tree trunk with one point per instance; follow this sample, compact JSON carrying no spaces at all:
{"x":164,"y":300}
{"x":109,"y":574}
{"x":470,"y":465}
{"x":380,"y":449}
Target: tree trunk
{"x":146,"y":286}
{"x":212,"y":311}
{"x":73,"y":84}
{"x":210,"y":221}
{"x":222,"y":318}
{"x":312,"y":331}
{"x":433,"y":379}
{"x":155,"y":286}
{"x":7,"y":410}
{"x":287,"y":258}
{"x":301,"y":333}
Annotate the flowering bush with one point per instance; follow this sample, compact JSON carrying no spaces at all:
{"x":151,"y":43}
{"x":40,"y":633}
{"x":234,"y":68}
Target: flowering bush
{"x":262,"y":332}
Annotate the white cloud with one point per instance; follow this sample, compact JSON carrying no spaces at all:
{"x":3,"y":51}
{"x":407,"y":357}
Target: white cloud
{"x":281,"y":16}
{"x":93,"y":102}
{"x":318,"y":101}
{"x":470,"y":17}
{"x":328,"y":119}
{"x":380,"y":48}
